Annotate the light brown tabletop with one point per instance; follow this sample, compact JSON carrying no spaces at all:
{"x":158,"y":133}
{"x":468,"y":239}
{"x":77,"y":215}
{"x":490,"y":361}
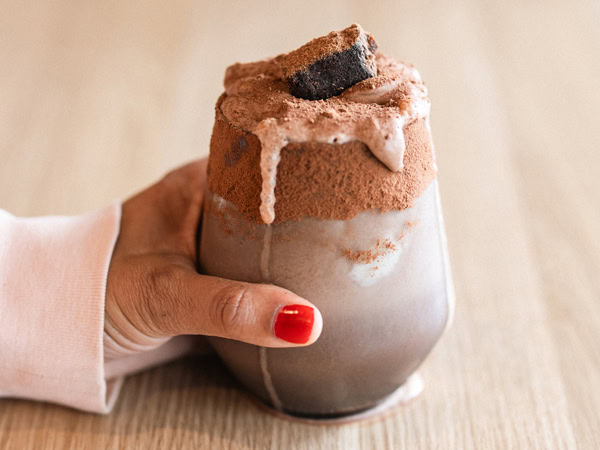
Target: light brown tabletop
{"x":98,"y":99}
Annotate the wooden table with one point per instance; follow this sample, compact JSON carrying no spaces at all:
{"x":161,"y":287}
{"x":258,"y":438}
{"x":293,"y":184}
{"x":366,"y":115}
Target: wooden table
{"x":100,"y":98}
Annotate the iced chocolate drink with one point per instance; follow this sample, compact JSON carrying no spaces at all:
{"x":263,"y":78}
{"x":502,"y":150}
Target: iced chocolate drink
{"x":322,"y":180}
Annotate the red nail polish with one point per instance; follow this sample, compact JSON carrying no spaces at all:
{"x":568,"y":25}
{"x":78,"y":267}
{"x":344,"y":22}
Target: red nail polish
{"x":294,"y":323}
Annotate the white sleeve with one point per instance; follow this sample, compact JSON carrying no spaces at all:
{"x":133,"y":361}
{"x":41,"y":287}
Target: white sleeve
{"x":53,"y":273}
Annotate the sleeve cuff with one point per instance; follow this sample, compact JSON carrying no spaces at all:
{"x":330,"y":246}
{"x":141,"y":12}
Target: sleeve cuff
{"x":53,"y":273}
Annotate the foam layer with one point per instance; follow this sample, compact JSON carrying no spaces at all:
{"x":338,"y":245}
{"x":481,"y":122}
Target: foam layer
{"x":327,"y":181}
{"x":374,"y":112}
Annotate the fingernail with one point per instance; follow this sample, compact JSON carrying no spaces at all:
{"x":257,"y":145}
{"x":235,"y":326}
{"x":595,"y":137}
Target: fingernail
{"x":294,"y":323}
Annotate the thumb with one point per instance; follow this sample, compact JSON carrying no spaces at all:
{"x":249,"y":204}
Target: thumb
{"x":259,"y":314}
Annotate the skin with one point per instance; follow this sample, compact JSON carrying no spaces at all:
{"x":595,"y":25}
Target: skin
{"x":154,"y":291}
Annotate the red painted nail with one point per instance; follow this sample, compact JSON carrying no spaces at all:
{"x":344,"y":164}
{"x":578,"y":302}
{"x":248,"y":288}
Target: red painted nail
{"x":294,"y":323}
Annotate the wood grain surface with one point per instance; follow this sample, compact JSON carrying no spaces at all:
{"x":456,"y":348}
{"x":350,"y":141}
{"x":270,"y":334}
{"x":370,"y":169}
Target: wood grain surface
{"x":98,"y":99}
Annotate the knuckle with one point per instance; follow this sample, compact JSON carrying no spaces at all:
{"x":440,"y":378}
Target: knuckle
{"x":160,"y":281}
{"x":233,"y":308}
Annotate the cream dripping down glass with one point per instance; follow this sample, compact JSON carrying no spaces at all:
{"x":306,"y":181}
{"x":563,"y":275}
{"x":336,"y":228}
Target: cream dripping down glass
{"x":336,"y":200}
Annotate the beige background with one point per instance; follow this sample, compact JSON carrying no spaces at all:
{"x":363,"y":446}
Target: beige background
{"x":97,"y":99}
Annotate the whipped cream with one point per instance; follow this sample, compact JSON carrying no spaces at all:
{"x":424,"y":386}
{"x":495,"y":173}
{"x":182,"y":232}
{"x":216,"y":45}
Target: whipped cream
{"x":373,"y":111}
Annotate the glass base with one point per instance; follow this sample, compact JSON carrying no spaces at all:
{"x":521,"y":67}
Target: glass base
{"x":411,"y":389}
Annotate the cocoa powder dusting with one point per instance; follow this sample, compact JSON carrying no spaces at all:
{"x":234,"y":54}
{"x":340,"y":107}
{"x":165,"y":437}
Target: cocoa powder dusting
{"x":368,"y":256}
{"x":317,"y":179}
{"x":326,"y":181}
{"x":334,"y":42}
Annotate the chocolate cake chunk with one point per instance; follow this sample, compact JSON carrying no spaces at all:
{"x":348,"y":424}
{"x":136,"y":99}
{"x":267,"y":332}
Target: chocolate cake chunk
{"x":327,"y":65}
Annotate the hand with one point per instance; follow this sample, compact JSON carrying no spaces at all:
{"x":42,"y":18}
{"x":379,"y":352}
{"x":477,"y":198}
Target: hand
{"x":154,"y":291}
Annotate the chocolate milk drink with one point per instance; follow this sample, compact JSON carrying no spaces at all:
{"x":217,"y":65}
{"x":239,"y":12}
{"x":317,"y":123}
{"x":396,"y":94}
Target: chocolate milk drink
{"x":322,"y":180}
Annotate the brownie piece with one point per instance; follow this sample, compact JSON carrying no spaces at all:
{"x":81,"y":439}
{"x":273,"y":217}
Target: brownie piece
{"x":327,"y":65}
